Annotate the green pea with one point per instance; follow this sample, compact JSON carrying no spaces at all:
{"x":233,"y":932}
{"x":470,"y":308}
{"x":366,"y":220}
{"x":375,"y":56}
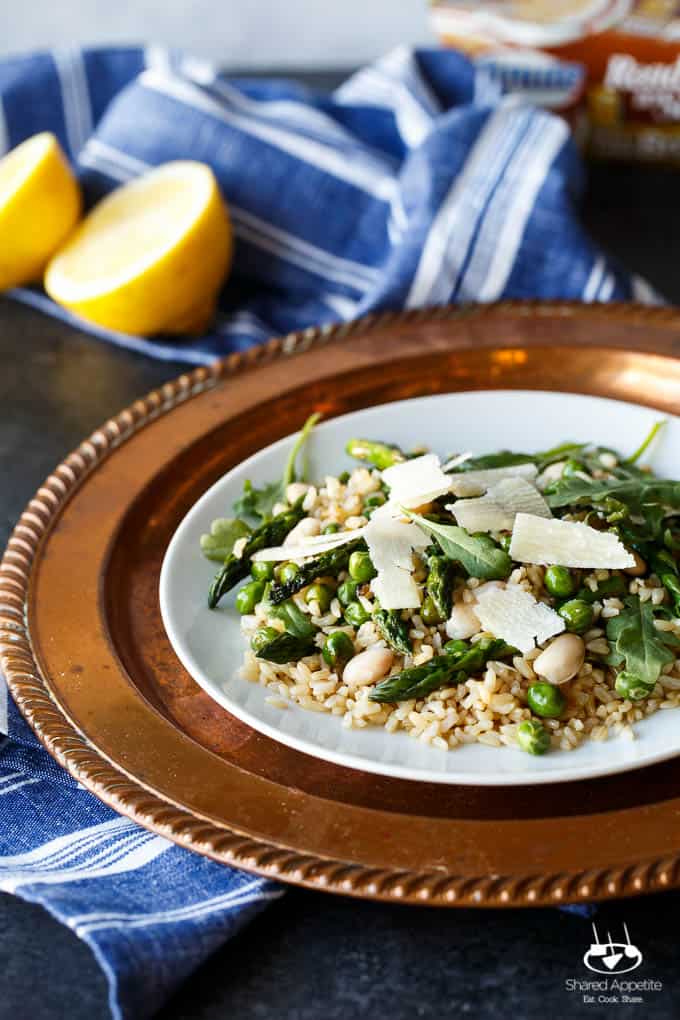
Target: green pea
{"x":355,"y":614}
{"x":456,"y":647}
{"x":546,"y":700}
{"x":375,"y":500}
{"x":285,"y":572}
{"x":347,"y":592}
{"x":343,"y":478}
{"x":360,"y":567}
{"x":262,"y":571}
{"x":577,"y":614}
{"x":331,"y":528}
{"x":321,"y":594}
{"x":559,"y":582}
{"x":262,"y":637}
{"x":532,"y":737}
{"x":248,"y":596}
{"x":504,"y":542}
{"x":632,"y":687}
{"x":429,"y":612}
{"x":338,"y":649}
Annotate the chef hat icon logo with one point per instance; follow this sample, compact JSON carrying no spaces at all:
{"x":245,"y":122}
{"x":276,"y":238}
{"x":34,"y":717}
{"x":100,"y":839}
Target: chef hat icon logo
{"x":612,"y":957}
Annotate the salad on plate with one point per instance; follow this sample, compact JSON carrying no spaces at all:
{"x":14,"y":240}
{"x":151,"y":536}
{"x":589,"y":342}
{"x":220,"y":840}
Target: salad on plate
{"x":517,"y":599}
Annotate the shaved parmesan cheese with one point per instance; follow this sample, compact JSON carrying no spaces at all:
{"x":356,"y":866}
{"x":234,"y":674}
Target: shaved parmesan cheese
{"x":456,"y":461}
{"x":515,"y":616}
{"x":472,"y":483}
{"x":391,"y":544}
{"x":497,"y":509}
{"x":566,"y":544}
{"x":396,"y":589}
{"x":312,"y":546}
{"x":418,"y":481}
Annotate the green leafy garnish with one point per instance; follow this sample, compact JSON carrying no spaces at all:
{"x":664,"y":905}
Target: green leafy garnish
{"x":260,"y":503}
{"x":644,"y":445}
{"x":224,"y":532}
{"x":478,"y":554}
{"x":636,"y":642}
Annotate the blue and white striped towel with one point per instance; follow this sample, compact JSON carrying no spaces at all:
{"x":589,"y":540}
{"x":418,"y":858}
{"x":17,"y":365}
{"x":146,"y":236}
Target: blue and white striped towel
{"x":418,"y":181}
{"x":421,"y":180}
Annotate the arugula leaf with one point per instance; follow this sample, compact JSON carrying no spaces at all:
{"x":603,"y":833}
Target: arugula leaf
{"x":478,"y":554}
{"x":636,"y":641}
{"x":223,"y":533}
{"x":260,"y":503}
{"x":507,"y":458}
{"x":636,"y":493}
{"x":644,"y":445}
{"x":504,"y":458}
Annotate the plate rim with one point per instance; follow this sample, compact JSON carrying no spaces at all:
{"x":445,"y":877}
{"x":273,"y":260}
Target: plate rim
{"x":129,"y":797}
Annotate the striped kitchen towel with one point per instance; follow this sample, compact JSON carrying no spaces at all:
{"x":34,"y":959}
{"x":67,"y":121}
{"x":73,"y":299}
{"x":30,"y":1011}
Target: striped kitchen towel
{"x":424,"y":179}
{"x":150,"y":911}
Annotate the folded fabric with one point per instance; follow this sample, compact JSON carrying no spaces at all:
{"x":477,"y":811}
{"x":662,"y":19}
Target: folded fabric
{"x":417,"y":182}
{"x":421,"y":180}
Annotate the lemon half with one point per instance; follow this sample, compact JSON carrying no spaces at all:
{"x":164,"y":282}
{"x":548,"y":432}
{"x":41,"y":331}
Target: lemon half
{"x":40,"y":203}
{"x":151,"y":256}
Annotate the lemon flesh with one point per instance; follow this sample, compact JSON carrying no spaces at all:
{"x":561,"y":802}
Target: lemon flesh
{"x":151,"y":256}
{"x":40,"y":203}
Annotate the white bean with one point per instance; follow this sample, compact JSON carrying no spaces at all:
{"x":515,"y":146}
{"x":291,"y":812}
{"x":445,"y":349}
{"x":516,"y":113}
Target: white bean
{"x":295,"y":490}
{"x":367,"y":667}
{"x":561,"y":660}
{"x":307,"y":527}
{"x":463,"y":622}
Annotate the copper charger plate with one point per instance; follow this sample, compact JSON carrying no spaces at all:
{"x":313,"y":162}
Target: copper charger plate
{"x":88,"y":661}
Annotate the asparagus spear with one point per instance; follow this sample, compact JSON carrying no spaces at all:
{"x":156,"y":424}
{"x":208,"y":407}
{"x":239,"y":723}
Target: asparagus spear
{"x":391,"y":626}
{"x":439,"y":584}
{"x":380,"y":455}
{"x":286,"y":647}
{"x":328,"y":564}
{"x":236,"y":568}
{"x":420,"y":681}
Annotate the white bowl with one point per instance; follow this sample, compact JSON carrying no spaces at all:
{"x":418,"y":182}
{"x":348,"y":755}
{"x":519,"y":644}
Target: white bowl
{"x":210,"y":644}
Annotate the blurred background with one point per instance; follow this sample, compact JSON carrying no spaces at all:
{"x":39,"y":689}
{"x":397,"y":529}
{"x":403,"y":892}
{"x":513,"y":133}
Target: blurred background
{"x":246,"y":34}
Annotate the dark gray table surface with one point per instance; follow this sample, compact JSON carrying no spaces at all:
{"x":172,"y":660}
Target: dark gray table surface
{"x":311,"y":955}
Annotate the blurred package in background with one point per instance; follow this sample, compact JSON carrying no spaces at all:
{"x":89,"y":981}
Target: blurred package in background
{"x":612,"y":67}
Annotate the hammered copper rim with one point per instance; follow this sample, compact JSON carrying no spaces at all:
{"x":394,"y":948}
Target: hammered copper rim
{"x":536,"y":883}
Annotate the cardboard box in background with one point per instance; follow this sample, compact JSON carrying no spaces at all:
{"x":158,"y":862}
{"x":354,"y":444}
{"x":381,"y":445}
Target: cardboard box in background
{"x":612,"y":66}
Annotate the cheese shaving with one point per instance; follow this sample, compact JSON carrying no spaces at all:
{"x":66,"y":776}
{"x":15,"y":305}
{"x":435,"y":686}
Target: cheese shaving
{"x":391,"y":544}
{"x":312,"y":546}
{"x":514,"y":615}
{"x":418,"y":481}
{"x":473,"y":483}
{"x":567,"y":544}
{"x":497,"y":509}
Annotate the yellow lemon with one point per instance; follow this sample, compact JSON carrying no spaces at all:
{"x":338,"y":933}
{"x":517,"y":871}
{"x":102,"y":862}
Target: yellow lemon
{"x":151,"y":256}
{"x":40,"y":203}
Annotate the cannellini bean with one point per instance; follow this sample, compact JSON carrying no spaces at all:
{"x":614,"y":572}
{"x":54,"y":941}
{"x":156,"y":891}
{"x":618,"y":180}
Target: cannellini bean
{"x":367,"y":667}
{"x":463,"y":622}
{"x":639,"y":568}
{"x":561,"y":660}
{"x":295,"y":490}
{"x":306,"y":528}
